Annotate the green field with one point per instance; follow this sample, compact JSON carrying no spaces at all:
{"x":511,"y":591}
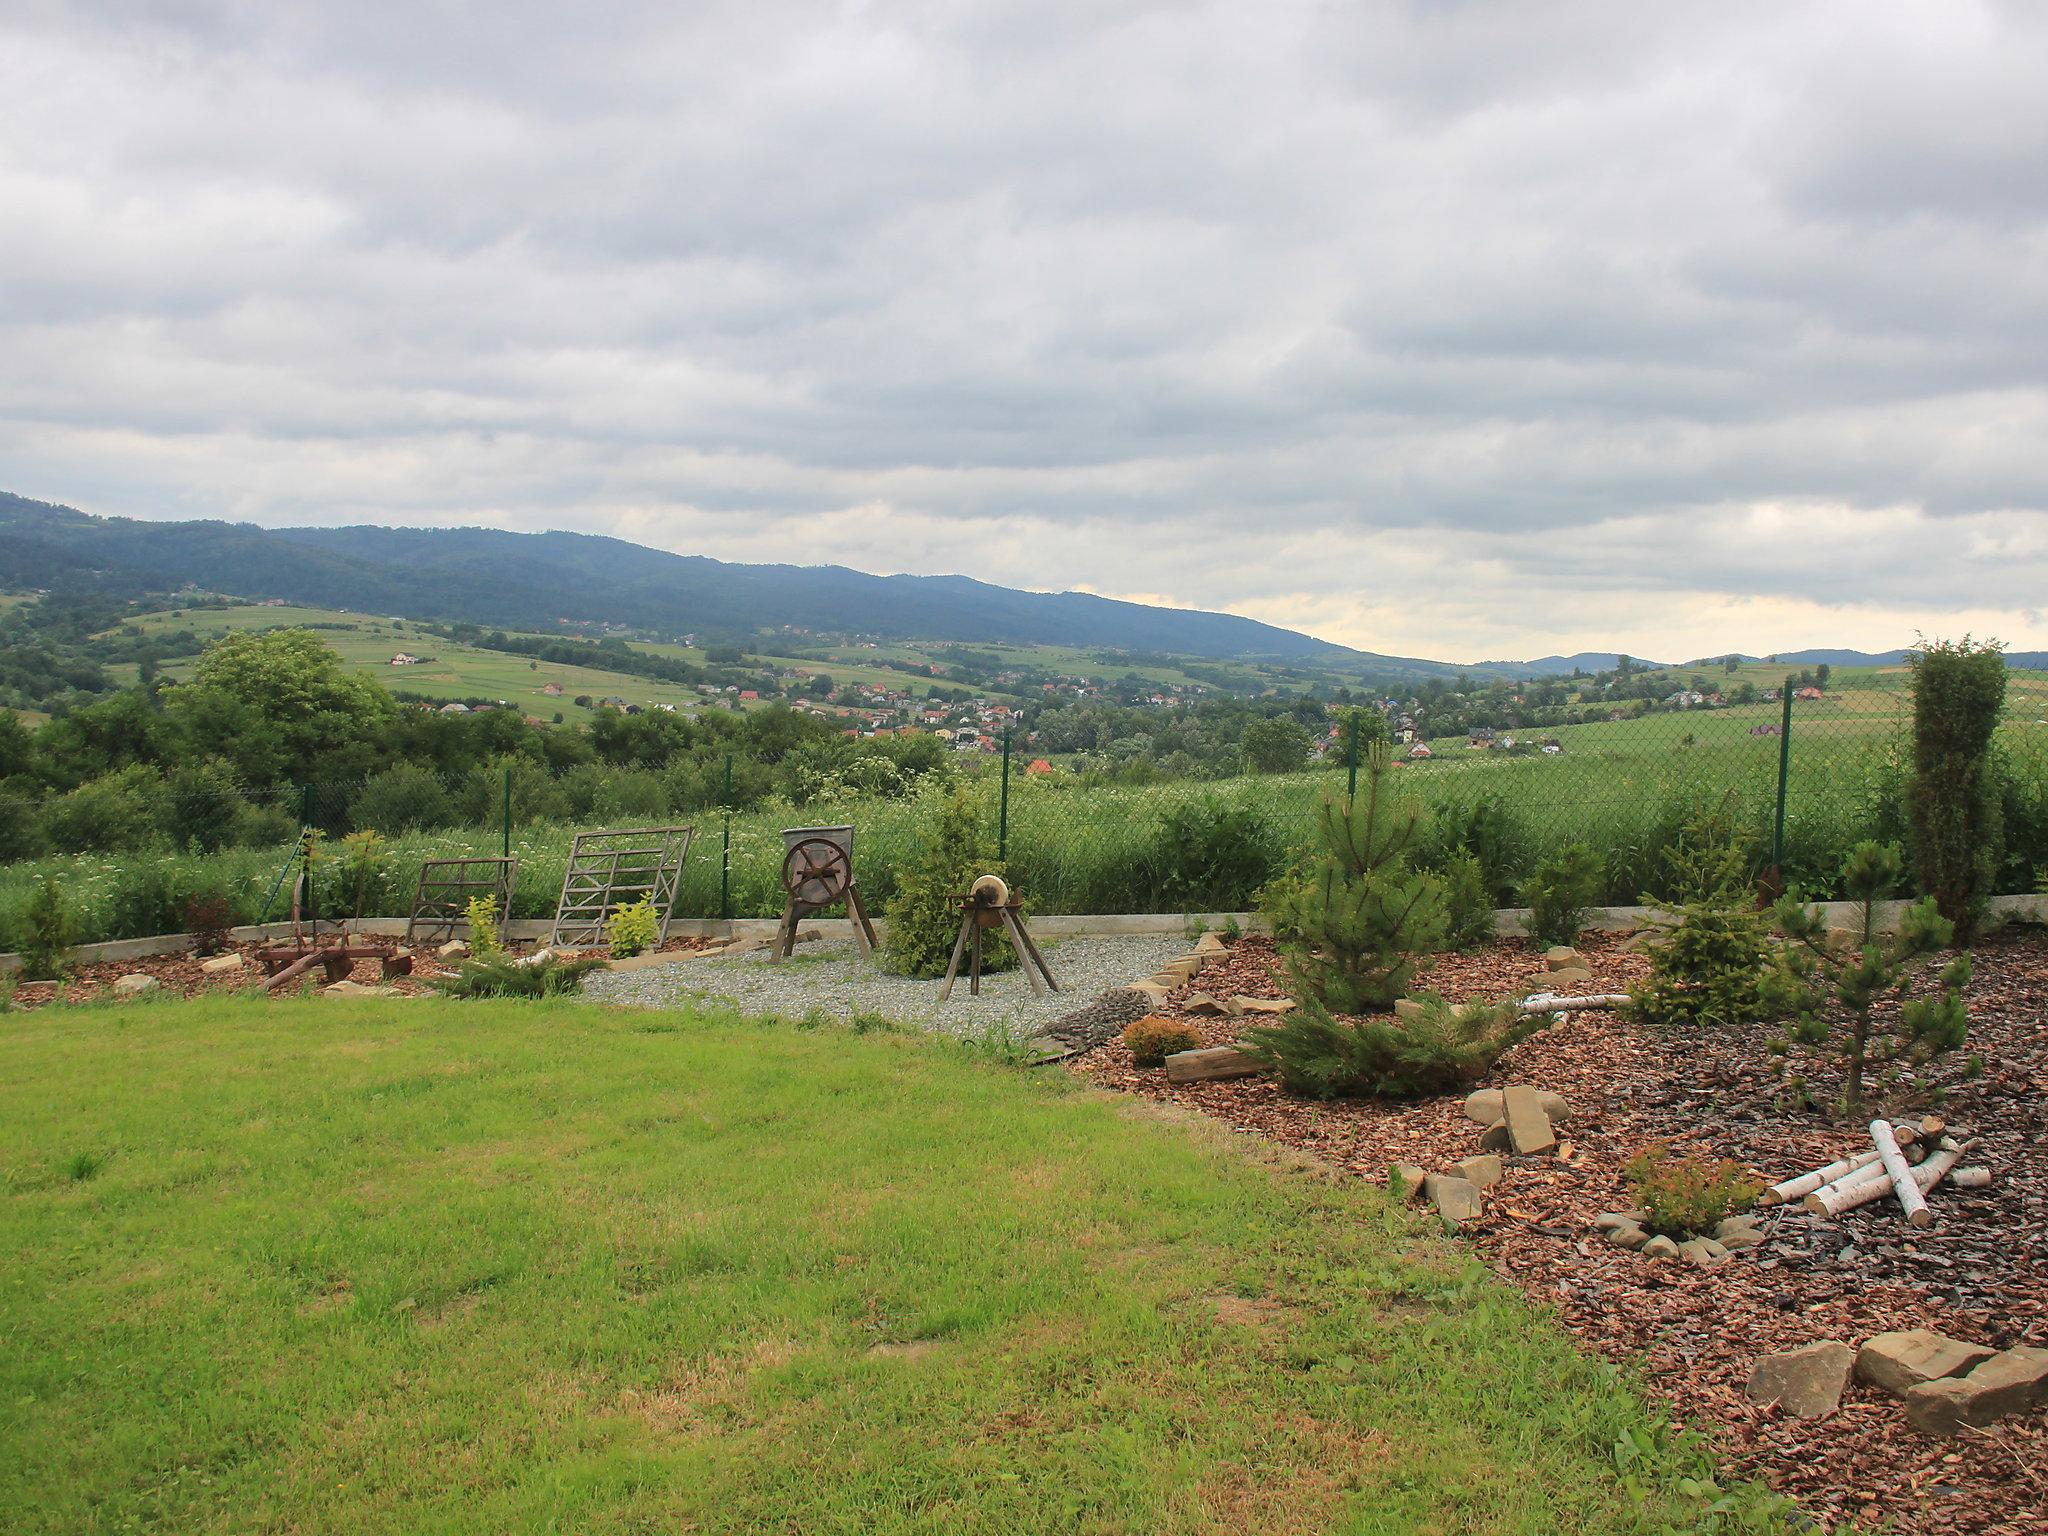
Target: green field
{"x":365,"y":1266}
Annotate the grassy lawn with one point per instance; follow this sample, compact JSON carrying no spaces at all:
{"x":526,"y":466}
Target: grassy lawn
{"x":407,"y":1267}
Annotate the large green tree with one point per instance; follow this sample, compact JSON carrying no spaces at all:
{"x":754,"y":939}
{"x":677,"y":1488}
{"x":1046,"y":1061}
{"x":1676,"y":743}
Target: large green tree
{"x":281,"y":707}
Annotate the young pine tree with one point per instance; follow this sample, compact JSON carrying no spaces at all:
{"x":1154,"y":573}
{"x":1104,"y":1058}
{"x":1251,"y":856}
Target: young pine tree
{"x":1818,"y":983}
{"x":1350,"y":930}
{"x":1710,"y":966}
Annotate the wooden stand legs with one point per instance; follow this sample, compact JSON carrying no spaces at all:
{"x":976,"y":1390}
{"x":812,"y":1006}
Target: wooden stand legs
{"x":1035,"y":969}
{"x":794,"y":912}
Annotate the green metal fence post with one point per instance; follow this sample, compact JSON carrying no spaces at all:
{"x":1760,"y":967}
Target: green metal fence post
{"x":312,"y":911}
{"x":1351,"y":760}
{"x":725,"y":851}
{"x":505,"y":846}
{"x":1003,"y":810}
{"x":1784,"y":776}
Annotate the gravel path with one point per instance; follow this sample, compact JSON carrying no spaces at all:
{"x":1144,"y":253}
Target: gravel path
{"x":831,"y":977}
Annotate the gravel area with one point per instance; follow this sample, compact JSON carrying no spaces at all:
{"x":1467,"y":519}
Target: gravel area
{"x":831,"y":977}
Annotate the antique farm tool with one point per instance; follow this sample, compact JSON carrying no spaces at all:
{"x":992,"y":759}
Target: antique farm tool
{"x":608,"y":870}
{"x":440,"y":901}
{"x":991,"y":904}
{"x":817,"y":872}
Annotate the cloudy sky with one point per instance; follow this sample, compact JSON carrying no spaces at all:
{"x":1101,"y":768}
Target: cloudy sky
{"x":1451,"y":329}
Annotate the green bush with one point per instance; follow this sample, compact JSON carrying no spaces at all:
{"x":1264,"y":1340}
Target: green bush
{"x":362,"y":866}
{"x":1687,"y":1197}
{"x":924,"y":916}
{"x":1709,"y":966}
{"x":115,"y":813}
{"x":1560,"y":889}
{"x":1958,"y":697}
{"x":1213,"y":856}
{"x":1468,"y":904}
{"x":1440,"y":1049}
{"x":631,"y":930}
{"x":407,"y":798}
{"x":48,"y":932}
{"x":201,"y":806}
{"x":1151,"y":1040}
{"x":480,"y":913}
{"x":548,"y":976}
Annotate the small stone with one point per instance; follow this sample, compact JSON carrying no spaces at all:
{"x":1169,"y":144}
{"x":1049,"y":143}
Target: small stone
{"x":1264,"y":1004}
{"x":1457,"y":1200}
{"x":135,"y":983}
{"x":1406,"y":1180}
{"x":1734,"y":1224}
{"x":1738,"y":1238}
{"x":1807,"y":1383}
{"x":223,"y":965}
{"x":1911,"y":1357}
{"x":1211,"y":944}
{"x":1660,"y":1247}
{"x":1495,"y":1138}
{"x":1703,"y":1251}
{"x":1629,"y":1236}
{"x":1528,"y":1126}
{"x":1483,"y":1105}
{"x":2005,"y":1384}
{"x":1482,"y":1172}
{"x":1203,"y":1006}
{"x":1408,"y":1008}
{"x":1570,"y":976}
{"x":1609,"y":1220}
{"x":454,"y":949}
{"x":1558,"y":956}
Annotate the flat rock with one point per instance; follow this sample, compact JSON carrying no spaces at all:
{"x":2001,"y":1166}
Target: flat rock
{"x":1807,"y":1383}
{"x":1567,"y":978}
{"x":1406,"y":1179}
{"x":1211,"y":944}
{"x":1457,"y":1200}
{"x":1408,"y":1008}
{"x":1212,"y":1064}
{"x":1484,"y":1105}
{"x":1739,"y":1238}
{"x":2003,"y":1385}
{"x":1151,"y":991}
{"x":1264,"y":1004}
{"x":358,"y":989}
{"x":135,"y":982}
{"x":1203,"y":1006}
{"x":1558,"y":956}
{"x":1482,"y":1171}
{"x":1607,"y":1221}
{"x":224,"y":965}
{"x":1528,"y":1126}
{"x":454,"y":949}
{"x":1495,"y":1138}
{"x":1911,"y":1357}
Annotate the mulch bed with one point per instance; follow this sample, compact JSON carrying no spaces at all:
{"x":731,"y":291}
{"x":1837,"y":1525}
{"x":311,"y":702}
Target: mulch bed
{"x":179,"y":975}
{"x":1980,"y":1273}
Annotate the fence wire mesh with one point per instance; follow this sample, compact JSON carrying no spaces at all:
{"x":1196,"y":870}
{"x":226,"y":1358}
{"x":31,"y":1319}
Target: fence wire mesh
{"x":1622,"y":776}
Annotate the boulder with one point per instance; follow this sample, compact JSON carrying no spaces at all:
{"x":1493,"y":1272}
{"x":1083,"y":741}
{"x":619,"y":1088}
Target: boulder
{"x":1482,"y":1171}
{"x":223,"y":965}
{"x":1264,"y":1004}
{"x":1912,"y":1357}
{"x":1807,"y":1383}
{"x":135,"y":983}
{"x":1457,"y":1200}
{"x":2003,"y":1385}
{"x":1406,"y":1179}
{"x":1528,"y":1126}
{"x":1558,"y":956}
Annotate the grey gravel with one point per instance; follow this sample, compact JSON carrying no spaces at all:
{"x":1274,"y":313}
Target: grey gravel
{"x":830,"y":977}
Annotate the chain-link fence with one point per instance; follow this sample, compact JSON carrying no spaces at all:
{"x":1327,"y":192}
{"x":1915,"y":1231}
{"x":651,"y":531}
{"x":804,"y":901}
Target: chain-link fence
{"x":1808,"y":770}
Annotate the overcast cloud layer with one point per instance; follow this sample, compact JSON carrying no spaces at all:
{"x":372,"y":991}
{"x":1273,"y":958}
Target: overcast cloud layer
{"x":1460,"y":330}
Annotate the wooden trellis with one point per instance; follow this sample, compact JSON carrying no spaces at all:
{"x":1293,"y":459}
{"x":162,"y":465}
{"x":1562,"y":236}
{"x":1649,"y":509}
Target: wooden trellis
{"x":445,"y":889}
{"x":609,"y":870}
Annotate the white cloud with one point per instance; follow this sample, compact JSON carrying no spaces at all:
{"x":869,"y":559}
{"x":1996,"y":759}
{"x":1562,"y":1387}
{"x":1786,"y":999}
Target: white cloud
{"x":1443,"y":330}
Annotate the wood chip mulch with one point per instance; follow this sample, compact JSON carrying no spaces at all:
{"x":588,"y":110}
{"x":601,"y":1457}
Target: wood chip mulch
{"x":1980,"y":1273}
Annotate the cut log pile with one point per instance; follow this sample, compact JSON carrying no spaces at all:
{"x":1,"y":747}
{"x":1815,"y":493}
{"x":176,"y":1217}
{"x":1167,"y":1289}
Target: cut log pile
{"x":1904,"y":1160}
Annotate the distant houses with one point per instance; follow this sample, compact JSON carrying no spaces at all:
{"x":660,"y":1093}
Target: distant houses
{"x":405,"y":659}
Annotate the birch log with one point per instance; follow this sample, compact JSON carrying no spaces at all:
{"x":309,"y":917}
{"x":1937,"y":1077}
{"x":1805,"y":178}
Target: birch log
{"x":1855,"y":1191}
{"x":1545,"y":1002}
{"x":1911,"y":1201}
{"x":1971,"y":1178}
{"x":1807,"y":1183}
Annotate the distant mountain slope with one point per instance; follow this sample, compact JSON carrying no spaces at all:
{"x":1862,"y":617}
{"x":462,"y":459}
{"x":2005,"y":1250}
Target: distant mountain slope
{"x":529,"y":580}
{"x":1582,"y":661}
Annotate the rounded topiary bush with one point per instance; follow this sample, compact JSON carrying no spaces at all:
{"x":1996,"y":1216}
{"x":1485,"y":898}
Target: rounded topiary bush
{"x":1151,"y":1040}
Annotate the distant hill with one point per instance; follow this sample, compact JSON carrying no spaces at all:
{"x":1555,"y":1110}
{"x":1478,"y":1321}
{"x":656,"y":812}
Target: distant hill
{"x":1564,"y":666}
{"x":530,"y":580}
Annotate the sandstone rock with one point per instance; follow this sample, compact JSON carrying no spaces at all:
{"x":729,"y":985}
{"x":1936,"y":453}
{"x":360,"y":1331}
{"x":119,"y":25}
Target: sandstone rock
{"x":1151,"y":991}
{"x":1734,"y":1224}
{"x":2005,"y":1384}
{"x":1807,"y":1383}
{"x":358,"y":989}
{"x":454,"y":949}
{"x":1482,"y":1172}
{"x":1408,"y":1008}
{"x":1528,"y":1126}
{"x":224,"y":965}
{"x":1900,"y":1361}
{"x":1495,"y":1138}
{"x":1628,"y":1235}
{"x":1406,"y":1180}
{"x":1607,"y":1221}
{"x":1264,"y":1004}
{"x":1203,"y":1006}
{"x":1660,"y":1247}
{"x":1738,"y":1238}
{"x":1457,"y":1200}
{"x":1211,"y":944}
{"x":135,"y":983}
{"x":1484,"y":1105}
{"x":1558,"y":956}
{"x":1167,"y":981}
{"x":1209,"y":1065}
{"x":1572,"y":976}
{"x":1703,"y":1251}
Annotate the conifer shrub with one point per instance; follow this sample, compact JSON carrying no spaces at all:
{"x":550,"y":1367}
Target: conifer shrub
{"x":1152,"y":1039}
{"x":1560,"y":889}
{"x":1710,"y":965}
{"x":1954,"y":794}
{"x":48,"y":932}
{"x":1350,"y":927}
{"x":1687,"y":1196}
{"x":1440,"y":1049}
{"x":1468,"y":904}
{"x":549,"y":975}
{"x":924,"y":914}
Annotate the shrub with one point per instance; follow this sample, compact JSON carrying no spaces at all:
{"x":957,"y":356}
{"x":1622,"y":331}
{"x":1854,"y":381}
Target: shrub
{"x":111,"y":814}
{"x":1468,"y":905}
{"x":1710,"y":967}
{"x":924,"y":917}
{"x":201,"y":806}
{"x":207,"y":916}
{"x":1958,"y":696}
{"x":1152,"y":1039}
{"x":407,"y":798}
{"x":631,"y":930}
{"x":1212,"y":856}
{"x":1438,"y":1050}
{"x":48,"y":932}
{"x":1818,"y":983}
{"x":1560,"y":889}
{"x":481,"y":914}
{"x":364,"y":865}
{"x":547,"y":976}
{"x":1687,"y":1197}
{"x":1491,"y":833}
{"x":1350,"y":928}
